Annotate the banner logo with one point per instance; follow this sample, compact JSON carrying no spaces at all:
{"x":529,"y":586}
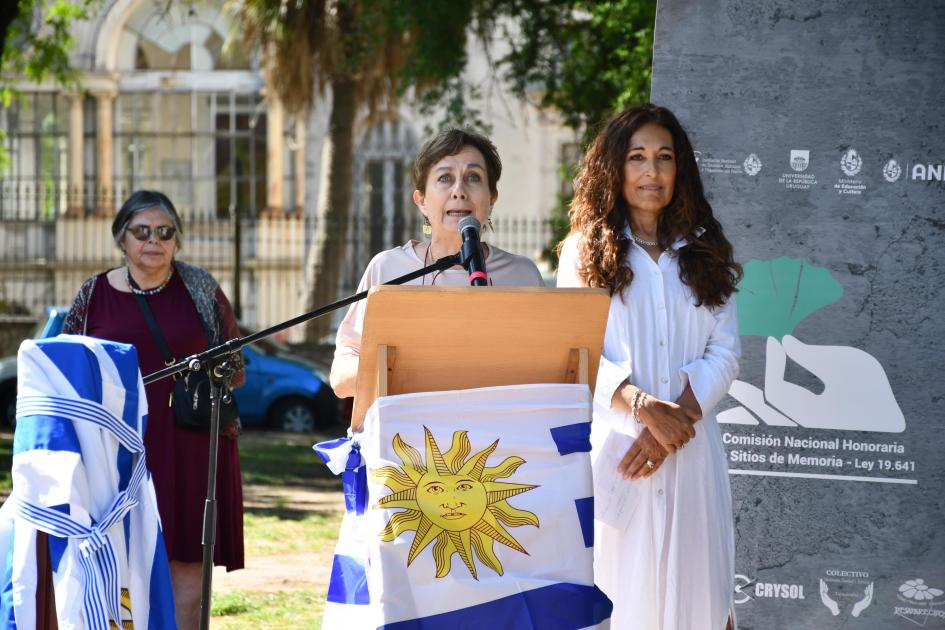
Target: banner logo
{"x":892,"y":171}
{"x":453,"y":502}
{"x":840,"y":581}
{"x":800,"y":160}
{"x":765,"y":590}
{"x":742,"y":584}
{"x":752,"y":164}
{"x":928,"y":172}
{"x":851,"y":163}
{"x":921,"y":602}
{"x":918,"y":591}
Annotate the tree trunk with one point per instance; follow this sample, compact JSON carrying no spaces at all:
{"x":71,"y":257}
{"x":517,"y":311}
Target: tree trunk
{"x":330,"y":244}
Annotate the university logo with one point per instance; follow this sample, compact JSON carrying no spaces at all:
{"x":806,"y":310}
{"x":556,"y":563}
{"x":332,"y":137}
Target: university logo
{"x":800,"y":160}
{"x":892,"y":171}
{"x":752,"y":164}
{"x":851,"y":163}
{"x":453,"y":502}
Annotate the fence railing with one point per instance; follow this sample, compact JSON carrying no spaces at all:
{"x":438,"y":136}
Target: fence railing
{"x":44,"y":261}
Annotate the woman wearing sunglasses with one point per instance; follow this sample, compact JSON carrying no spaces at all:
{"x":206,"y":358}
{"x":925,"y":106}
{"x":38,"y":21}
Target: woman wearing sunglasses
{"x":192,"y":314}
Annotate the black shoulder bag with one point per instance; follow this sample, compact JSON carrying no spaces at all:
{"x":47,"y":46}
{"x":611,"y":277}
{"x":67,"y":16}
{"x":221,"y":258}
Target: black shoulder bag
{"x":191,"y":396}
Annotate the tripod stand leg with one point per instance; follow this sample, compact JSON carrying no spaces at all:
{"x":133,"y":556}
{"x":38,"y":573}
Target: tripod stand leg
{"x":210,"y":505}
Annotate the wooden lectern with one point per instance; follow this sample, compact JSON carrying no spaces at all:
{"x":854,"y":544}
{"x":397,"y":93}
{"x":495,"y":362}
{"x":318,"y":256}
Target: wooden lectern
{"x":421,"y":339}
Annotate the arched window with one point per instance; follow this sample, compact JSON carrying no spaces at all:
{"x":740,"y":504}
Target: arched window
{"x":189,"y":116}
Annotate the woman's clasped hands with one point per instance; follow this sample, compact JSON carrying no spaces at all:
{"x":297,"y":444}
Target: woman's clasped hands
{"x":669,"y":426}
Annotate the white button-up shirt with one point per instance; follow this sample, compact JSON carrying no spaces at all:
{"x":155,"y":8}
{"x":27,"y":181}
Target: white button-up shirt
{"x":658,"y":338}
{"x":671,"y":565}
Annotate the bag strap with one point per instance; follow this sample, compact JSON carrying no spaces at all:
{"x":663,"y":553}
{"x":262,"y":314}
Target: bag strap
{"x":152,"y":322}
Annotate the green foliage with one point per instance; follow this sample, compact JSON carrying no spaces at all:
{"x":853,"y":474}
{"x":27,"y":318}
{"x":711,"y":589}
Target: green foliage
{"x":37,"y":43}
{"x":585,"y":59}
{"x":385,"y":47}
{"x":36,"y":39}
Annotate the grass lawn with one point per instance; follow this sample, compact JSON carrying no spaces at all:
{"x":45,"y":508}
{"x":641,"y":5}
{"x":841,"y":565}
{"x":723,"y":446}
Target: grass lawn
{"x":292,"y":514}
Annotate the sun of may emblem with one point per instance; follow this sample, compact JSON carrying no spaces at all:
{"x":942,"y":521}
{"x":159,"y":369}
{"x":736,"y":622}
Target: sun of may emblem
{"x":453,"y":502}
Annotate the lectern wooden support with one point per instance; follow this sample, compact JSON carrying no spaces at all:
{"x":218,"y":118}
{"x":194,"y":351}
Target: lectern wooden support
{"x":421,"y":339}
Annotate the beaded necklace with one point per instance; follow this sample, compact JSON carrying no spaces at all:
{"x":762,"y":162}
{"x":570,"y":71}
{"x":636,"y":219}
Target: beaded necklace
{"x":139,"y":291}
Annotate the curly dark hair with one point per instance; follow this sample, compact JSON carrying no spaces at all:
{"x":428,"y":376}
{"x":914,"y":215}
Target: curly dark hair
{"x":600,"y":214}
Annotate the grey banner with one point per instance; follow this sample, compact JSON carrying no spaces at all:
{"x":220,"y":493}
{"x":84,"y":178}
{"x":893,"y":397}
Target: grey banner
{"x":820,"y":128}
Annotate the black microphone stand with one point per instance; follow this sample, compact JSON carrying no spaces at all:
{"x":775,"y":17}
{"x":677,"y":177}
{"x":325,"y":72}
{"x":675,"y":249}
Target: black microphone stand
{"x":220,"y":374}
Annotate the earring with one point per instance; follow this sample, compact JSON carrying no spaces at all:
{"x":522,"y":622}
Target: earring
{"x":427,"y":228}
{"x":489,"y":223}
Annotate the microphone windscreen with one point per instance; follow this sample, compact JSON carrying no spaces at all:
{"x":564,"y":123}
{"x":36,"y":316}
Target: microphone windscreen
{"x":469,"y":222}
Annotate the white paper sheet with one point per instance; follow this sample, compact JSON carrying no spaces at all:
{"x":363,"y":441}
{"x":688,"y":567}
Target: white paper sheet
{"x":615,"y":498}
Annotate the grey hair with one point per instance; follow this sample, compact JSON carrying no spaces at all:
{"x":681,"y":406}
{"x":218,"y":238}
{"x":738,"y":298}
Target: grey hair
{"x":142,"y":201}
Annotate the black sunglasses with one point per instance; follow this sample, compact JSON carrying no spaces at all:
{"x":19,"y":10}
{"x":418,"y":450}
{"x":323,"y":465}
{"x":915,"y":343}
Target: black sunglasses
{"x":143,"y":232}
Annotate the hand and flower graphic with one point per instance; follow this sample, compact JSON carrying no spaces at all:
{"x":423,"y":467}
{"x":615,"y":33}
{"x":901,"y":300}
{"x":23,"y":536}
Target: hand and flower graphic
{"x":774,"y":297}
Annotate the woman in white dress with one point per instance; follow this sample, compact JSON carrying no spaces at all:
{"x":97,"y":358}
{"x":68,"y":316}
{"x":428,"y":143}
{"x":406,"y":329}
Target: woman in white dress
{"x":455,"y":175}
{"x":642,"y":228}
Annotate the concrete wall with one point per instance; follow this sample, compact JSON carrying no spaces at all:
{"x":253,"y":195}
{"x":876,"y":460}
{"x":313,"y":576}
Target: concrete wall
{"x":820,"y":132}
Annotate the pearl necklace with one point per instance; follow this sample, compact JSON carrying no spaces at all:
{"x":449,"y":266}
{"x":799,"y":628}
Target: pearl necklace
{"x":139,"y":291}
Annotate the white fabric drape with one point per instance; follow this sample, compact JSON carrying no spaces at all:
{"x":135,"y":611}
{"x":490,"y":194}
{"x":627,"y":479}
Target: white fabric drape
{"x":79,"y":474}
{"x":527,"y":445}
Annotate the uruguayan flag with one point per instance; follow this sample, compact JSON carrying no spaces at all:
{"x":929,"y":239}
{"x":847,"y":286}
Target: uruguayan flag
{"x":479,"y":513}
{"x":79,"y":474}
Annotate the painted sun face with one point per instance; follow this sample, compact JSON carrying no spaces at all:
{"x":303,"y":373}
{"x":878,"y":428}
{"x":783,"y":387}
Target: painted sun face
{"x":453,"y":502}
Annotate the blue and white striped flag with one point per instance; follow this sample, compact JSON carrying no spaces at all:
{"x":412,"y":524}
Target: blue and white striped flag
{"x":479,"y":514}
{"x":79,"y":474}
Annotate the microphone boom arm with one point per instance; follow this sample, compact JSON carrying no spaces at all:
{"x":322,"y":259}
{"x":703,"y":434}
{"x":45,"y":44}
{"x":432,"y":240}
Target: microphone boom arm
{"x":233,"y":345}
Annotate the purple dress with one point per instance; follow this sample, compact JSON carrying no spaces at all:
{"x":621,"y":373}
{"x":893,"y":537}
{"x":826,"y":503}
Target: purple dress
{"x":177,"y":458}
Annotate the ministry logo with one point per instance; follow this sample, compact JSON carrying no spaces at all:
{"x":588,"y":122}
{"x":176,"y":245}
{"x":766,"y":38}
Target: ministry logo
{"x":752,"y":164}
{"x":800,"y":160}
{"x":851,"y":163}
{"x":892,"y":171}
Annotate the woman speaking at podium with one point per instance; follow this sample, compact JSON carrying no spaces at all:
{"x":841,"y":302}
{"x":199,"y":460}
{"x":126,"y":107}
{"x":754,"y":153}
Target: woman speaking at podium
{"x":455,"y":176}
{"x":642,"y":228}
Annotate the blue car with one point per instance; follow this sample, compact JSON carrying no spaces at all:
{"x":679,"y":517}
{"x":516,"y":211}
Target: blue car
{"x":282,"y":391}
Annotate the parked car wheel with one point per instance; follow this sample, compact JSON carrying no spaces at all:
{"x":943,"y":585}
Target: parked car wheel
{"x":293,"y":414}
{"x":8,"y":406}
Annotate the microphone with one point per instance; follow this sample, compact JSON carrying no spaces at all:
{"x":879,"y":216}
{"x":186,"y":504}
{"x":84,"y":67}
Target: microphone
{"x":471,"y":252}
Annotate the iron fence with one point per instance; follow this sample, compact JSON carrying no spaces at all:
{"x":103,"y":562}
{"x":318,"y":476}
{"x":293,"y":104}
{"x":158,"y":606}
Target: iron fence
{"x":259,"y":261}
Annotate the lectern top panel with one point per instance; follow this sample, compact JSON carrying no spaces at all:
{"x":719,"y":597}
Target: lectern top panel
{"x":464,"y":337}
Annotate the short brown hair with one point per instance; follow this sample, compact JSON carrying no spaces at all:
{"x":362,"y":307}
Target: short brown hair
{"x":450,"y":142}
